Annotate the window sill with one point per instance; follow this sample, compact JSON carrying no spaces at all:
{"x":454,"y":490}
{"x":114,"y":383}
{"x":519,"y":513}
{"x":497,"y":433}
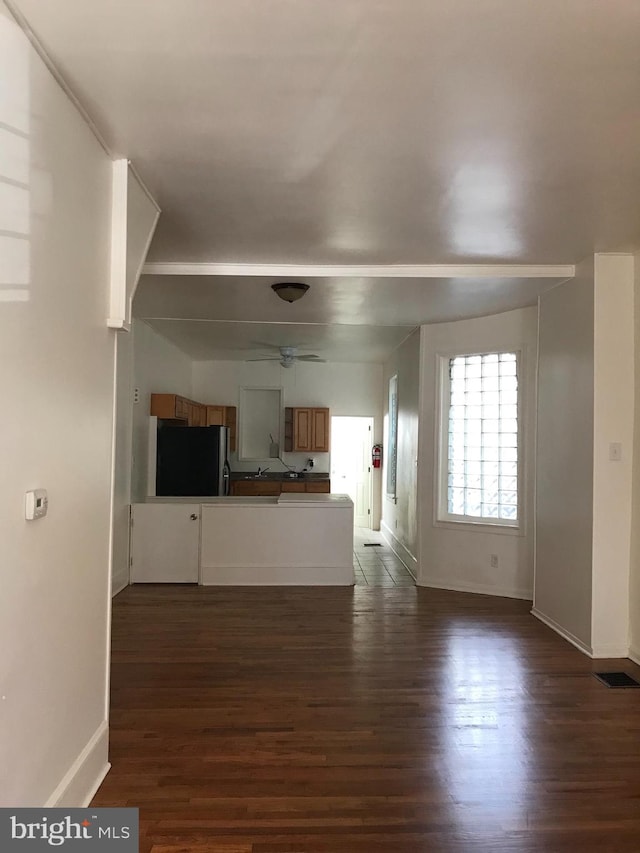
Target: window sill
{"x":482,"y":526}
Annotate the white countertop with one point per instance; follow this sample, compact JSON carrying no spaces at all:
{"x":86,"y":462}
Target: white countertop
{"x":286,"y":499}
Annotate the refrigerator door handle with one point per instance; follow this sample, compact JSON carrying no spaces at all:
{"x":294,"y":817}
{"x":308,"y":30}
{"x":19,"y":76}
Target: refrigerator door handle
{"x":226,"y":478}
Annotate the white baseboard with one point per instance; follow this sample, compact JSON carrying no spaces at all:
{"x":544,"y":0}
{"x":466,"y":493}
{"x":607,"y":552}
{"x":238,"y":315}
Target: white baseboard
{"x":119,"y":582}
{"x":567,"y":635}
{"x":478,"y":588}
{"x":86,"y":774}
{"x":401,"y":551}
{"x":610,"y":650}
{"x":634,"y":654}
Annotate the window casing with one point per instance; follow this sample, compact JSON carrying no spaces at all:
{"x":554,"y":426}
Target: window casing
{"x":480,"y":446}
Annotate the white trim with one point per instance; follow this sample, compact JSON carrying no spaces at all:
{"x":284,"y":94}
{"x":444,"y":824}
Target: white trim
{"x":22,"y":22}
{"x":564,"y":271}
{"x":145,"y":189}
{"x":408,"y":560}
{"x":477,"y":588}
{"x":567,"y":635}
{"x":112,"y":514}
{"x":634,"y":654}
{"x":118,"y":273}
{"x":281,"y":421}
{"x":121,"y":584}
{"x":80,"y":783}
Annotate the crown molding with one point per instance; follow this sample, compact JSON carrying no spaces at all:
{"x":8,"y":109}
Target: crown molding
{"x":556,"y":271}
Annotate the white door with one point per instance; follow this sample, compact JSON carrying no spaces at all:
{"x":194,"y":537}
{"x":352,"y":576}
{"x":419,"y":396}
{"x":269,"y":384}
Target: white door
{"x":165,"y":543}
{"x":351,"y":442}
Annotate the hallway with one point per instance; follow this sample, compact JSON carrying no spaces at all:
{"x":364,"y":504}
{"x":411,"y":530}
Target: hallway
{"x":375,"y":564}
{"x":300,"y":720}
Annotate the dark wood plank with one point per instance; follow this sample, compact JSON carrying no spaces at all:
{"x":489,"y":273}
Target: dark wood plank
{"x":278,"y":720}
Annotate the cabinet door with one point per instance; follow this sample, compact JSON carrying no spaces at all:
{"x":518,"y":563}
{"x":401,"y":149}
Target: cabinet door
{"x":302,"y":429}
{"x":320,"y":430}
{"x":322,"y":487}
{"x":181,"y":408}
{"x":168,"y":406}
{"x":293,"y":487}
{"x":215,"y":416}
{"x":165,"y":543}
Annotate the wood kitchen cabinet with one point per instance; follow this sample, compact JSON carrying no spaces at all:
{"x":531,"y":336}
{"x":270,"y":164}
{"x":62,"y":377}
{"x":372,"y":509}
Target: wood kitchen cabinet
{"x":306,"y":429}
{"x":173,"y":407}
{"x":293,"y":486}
{"x":170,"y":407}
{"x":264,"y":488}
{"x":318,"y":487}
{"x":224,"y":416}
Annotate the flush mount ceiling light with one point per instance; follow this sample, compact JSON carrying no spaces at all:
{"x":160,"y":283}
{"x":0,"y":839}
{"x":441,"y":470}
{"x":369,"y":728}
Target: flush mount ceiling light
{"x":290,"y":291}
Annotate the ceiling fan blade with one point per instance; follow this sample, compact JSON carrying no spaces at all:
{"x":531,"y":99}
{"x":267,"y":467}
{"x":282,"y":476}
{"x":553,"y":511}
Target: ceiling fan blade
{"x":311,"y":358}
{"x":265,"y":345}
{"x":266,"y":358}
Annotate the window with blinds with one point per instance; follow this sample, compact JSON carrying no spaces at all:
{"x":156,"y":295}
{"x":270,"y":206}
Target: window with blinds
{"x":482,"y":438}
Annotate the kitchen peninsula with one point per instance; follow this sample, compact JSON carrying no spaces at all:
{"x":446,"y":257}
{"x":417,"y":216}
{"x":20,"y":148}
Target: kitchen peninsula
{"x":285,"y":539}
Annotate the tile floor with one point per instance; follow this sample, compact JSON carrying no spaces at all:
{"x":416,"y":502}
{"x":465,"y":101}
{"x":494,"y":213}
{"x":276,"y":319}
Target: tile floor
{"x":377,"y":566}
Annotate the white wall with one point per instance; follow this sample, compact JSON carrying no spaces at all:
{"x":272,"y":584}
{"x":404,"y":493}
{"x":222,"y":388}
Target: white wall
{"x":56,"y":376}
{"x":612,"y":480}
{"x":400,"y":515}
{"x":347,"y":389}
{"x":458,"y":556}
{"x":159,"y":368}
{"x":565,"y":457}
{"x":634,"y":578}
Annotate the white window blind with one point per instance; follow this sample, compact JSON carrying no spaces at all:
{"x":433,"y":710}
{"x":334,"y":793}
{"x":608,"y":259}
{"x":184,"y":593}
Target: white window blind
{"x":482,"y":440}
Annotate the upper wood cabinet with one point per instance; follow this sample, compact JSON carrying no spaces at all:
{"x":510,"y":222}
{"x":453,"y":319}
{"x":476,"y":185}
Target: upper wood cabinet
{"x":224,"y":416}
{"x":176,"y":408}
{"x":306,"y":430}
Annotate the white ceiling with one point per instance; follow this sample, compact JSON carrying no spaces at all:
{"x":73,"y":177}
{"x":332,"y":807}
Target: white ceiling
{"x":339,"y":318}
{"x":360,"y":132}
{"x":210,"y":340}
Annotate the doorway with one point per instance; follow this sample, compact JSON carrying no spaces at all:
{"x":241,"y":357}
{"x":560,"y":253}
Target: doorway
{"x":351,"y":442}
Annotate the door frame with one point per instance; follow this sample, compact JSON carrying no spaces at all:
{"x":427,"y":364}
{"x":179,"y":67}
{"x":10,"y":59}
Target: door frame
{"x":371,"y":423}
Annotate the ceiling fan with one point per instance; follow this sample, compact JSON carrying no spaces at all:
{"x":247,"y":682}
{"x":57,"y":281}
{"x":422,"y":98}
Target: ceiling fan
{"x":288,"y":357}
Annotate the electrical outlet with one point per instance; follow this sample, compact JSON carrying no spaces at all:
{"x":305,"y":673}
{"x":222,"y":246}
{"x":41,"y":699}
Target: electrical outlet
{"x":493,"y":560}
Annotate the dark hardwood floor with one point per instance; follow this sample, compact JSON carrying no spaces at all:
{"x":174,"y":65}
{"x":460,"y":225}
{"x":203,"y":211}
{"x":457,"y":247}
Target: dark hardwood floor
{"x":300,"y":720}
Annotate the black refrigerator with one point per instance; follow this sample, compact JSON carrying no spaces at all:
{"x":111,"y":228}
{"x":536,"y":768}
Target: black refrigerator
{"x":192,"y":461}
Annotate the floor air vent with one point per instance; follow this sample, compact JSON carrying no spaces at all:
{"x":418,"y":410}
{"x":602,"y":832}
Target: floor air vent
{"x":373,"y":544}
{"x":616,"y":679}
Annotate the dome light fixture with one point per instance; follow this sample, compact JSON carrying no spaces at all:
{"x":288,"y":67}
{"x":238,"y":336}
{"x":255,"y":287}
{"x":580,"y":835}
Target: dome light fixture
{"x":290,"y":291}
